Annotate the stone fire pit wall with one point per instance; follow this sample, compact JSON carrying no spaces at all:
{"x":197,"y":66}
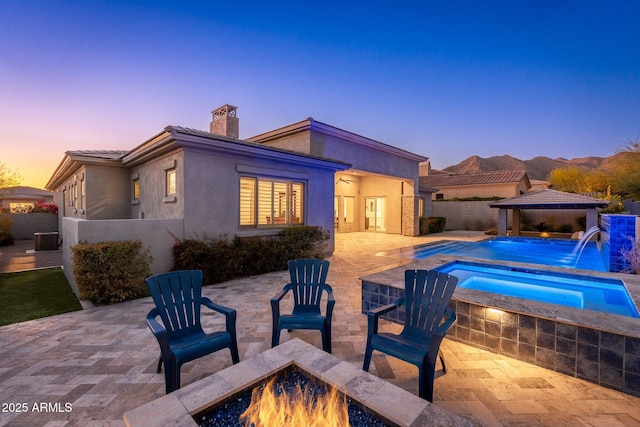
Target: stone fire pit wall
{"x":370,"y":391}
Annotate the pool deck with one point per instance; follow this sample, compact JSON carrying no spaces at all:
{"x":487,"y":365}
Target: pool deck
{"x":102,"y":360}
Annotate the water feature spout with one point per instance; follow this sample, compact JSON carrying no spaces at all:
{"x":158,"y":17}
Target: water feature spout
{"x":577,"y":251}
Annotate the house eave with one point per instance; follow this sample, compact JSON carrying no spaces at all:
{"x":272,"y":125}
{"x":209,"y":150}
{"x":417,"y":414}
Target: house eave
{"x":70,"y":164}
{"x":316,"y":126}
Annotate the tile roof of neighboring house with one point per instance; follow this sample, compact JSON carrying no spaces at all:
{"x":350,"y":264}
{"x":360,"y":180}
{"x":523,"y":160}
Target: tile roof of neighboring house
{"x":550,"y":199}
{"x":485,"y":178}
{"x":24,"y":192}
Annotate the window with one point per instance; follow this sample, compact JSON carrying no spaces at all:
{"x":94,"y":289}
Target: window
{"x":136,"y":189}
{"x":83,"y":193}
{"x":439,"y":196}
{"x":171,"y":182}
{"x":349,"y":203}
{"x":421,"y":204}
{"x":266,"y":202}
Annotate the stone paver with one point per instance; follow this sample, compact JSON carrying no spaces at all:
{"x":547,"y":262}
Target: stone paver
{"x":90,"y":367}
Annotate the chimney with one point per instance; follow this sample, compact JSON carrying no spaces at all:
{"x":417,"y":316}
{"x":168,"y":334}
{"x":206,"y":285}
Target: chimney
{"x":424,"y":168}
{"x":225,"y":122}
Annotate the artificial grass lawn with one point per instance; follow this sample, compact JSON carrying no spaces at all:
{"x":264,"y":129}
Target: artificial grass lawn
{"x":33,"y":294}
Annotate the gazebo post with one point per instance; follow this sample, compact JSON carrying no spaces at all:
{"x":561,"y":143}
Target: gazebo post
{"x":502,"y":222}
{"x":515,"y":226}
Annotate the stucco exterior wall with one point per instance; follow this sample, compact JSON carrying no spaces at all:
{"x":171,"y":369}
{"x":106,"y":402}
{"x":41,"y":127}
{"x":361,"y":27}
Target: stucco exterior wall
{"x":212,"y":202}
{"x":153,"y":202}
{"x":107,"y":192}
{"x":367,"y":159}
{"x":154,"y":234}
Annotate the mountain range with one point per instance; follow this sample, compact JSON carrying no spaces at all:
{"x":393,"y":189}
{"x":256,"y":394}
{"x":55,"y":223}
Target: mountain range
{"x":537,"y":168}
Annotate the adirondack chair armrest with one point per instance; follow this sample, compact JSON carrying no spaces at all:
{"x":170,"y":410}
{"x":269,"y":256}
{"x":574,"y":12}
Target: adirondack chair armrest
{"x":281,"y":294}
{"x":216,"y":307}
{"x":373,"y":315}
{"x":331,"y":302}
{"x":450,"y":318}
{"x":158,"y":330}
{"x":229,"y":313}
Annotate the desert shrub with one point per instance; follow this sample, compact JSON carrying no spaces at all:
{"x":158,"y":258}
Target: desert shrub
{"x":432,"y":224}
{"x":543,"y":226}
{"x":632,"y":255}
{"x":582,"y":222}
{"x":221,"y":259}
{"x":6,"y":222}
{"x":110,"y":272}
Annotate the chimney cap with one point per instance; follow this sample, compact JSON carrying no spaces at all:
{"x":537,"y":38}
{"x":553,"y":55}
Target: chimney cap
{"x":226,"y":109}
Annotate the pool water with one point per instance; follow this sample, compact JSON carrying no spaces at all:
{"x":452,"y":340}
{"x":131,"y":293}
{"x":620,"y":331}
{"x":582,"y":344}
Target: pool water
{"x":555,"y":252}
{"x":571,"y":290}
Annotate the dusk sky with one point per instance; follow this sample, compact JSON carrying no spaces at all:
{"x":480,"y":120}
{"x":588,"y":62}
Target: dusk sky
{"x":446,"y":79}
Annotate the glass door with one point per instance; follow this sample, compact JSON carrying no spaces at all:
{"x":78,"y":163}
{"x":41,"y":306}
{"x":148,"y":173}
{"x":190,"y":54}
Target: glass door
{"x":375,"y":215}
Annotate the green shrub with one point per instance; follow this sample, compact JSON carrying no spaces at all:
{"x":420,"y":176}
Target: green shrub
{"x":222,"y":260}
{"x":110,"y":272}
{"x":432,"y":224}
{"x":6,"y":222}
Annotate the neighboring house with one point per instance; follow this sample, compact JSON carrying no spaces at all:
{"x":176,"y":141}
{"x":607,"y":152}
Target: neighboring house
{"x":13,"y":199}
{"x":500,"y":184}
{"x":190,"y":183}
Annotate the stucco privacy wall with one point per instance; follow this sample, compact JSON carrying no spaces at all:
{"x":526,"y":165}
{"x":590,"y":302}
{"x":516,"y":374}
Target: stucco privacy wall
{"x":153,"y":233}
{"x":25,"y":225}
{"x":469,"y":215}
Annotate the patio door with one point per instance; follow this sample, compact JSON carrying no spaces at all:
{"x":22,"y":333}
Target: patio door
{"x":375,"y":214}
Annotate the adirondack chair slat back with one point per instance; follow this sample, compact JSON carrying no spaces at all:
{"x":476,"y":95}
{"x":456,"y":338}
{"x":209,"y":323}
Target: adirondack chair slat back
{"x":308,"y":277}
{"x":427,"y":295}
{"x":177,"y":296}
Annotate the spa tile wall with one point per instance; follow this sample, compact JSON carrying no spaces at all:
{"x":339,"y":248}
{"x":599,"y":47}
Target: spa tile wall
{"x":607,"y":359}
{"x":616,"y":230}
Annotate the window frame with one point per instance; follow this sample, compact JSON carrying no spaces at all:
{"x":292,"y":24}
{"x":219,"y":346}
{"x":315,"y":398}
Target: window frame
{"x":284,"y":205}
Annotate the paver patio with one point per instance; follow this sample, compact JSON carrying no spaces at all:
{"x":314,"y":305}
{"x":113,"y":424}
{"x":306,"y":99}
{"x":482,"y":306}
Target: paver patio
{"x":101,"y":361}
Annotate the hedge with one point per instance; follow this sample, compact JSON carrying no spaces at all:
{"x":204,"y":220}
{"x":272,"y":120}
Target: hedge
{"x":110,"y":272}
{"x":432,"y":224}
{"x":222,"y":259}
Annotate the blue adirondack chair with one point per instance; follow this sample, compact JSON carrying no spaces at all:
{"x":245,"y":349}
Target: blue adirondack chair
{"x":427,"y":294}
{"x":307,"y":286}
{"x":178,"y":297}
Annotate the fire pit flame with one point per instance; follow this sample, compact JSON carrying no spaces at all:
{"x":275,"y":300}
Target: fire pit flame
{"x":297,"y":408}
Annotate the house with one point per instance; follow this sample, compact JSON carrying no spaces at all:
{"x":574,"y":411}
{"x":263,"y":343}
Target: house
{"x":190,"y":183}
{"x":499,"y":184}
{"x":15,"y":199}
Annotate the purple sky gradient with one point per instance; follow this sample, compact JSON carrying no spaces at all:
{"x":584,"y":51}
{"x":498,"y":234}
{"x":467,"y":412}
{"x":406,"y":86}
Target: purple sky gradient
{"x":445,"y":79}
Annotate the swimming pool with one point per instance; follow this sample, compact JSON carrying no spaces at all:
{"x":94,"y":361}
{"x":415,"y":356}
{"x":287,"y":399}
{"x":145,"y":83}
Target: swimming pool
{"x":571,"y":290}
{"x":555,"y":252}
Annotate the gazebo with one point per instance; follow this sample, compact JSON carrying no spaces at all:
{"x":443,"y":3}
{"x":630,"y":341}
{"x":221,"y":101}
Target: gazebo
{"x":546,"y":199}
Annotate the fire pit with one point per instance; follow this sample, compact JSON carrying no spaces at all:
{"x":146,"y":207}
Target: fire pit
{"x":290,"y":398}
{"x":375,"y":395}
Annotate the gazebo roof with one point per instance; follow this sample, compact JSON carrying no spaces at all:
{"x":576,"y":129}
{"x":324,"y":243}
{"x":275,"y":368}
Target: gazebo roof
{"x":550,"y":199}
